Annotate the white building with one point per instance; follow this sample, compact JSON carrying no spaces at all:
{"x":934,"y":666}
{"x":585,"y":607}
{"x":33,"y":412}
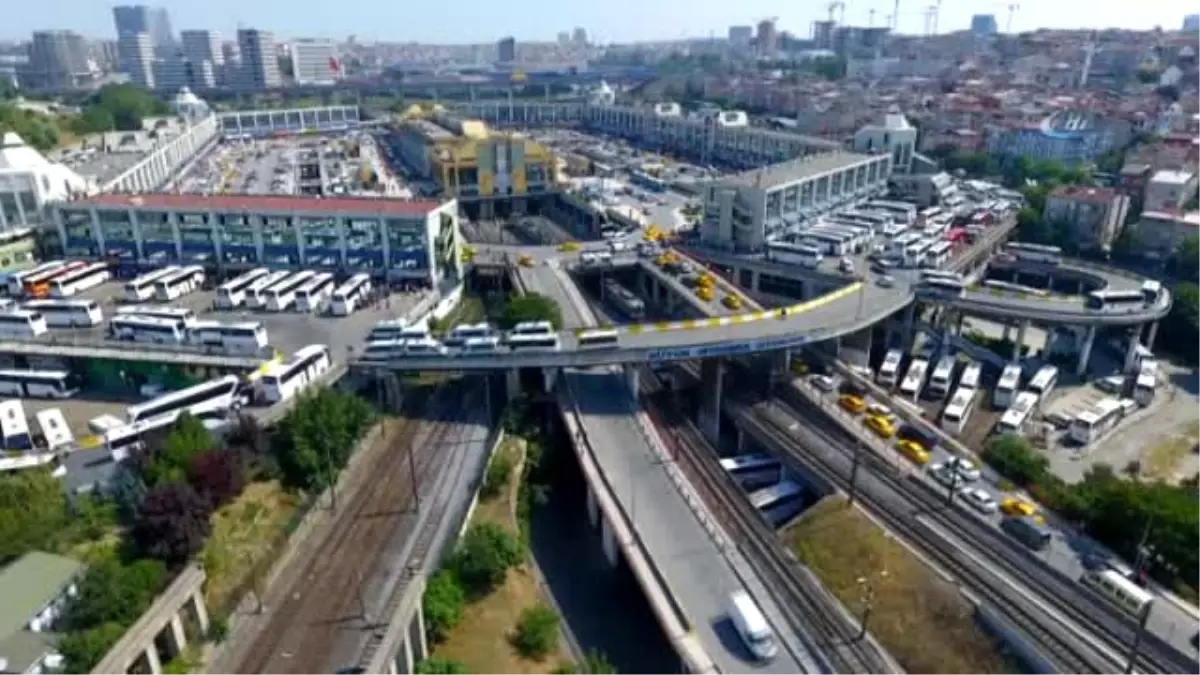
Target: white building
{"x":29,"y":181}
{"x":135,"y":53}
{"x":314,"y":62}
{"x":1169,"y":190}
{"x":895,"y":136}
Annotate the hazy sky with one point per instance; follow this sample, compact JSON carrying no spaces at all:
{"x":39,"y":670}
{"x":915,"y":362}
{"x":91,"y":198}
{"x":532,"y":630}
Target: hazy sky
{"x":608,"y":20}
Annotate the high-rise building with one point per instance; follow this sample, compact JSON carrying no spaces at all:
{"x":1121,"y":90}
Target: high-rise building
{"x":58,"y":59}
{"x":579,"y":37}
{"x":135,"y":54}
{"x":767,"y":38}
{"x":104,"y":54}
{"x":202,"y":45}
{"x":154,"y":21}
{"x":1191,"y":23}
{"x":314,"y":62}
{"x":506,"y":50}
{"x":260,"y":60}
{"x":741,"y":36}
{"x":172,"y":72}
{"x":160,"y":30}
{"x":984,"y":24}
{"x":564,"y":37}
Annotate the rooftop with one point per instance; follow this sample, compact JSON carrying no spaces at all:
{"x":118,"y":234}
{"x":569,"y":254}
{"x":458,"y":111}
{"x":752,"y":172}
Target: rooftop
{"x":1179,"y":178}
{"x":28,"y":584}
{"x":795,"y":170}
{"x":1189,"y":217}
{"x":262,"y":203}
{"x":1079,"y":193}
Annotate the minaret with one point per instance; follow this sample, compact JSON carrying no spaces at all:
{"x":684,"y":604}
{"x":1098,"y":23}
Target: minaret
{"x":1088,"y":52}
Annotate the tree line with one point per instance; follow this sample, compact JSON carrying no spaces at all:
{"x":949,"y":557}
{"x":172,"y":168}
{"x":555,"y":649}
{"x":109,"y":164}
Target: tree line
{"x":115,"y":107}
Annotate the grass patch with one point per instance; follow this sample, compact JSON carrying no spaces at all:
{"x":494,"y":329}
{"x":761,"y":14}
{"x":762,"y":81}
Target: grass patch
{"x":470,"y":309}
{"x":1162,"y":459}
{"x":482,"y":641}
{"x":244,"y":531}
{"x":916,"y":616}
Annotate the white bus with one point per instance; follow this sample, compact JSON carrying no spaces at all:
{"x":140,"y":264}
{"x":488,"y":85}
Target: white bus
{"x":899,"y":211}
{"x":481,"y":345}
{"x":232,"y":293}
{"x":463,"y":332}
{"x":55,"y":431}
{"x":1014,"y":419}
{"x":126,"y":438}
{"x":1102,"y":300}
{"x":1035,"y":253}
{"x":1151,"y":290}
{"x":1119,"y":590}
{"x":187,"y":316}
{"x":1089,"y":426}
{"x":152,"y":329}
{"x":141,"y":289}
{"x":889,"y":370}
{"x":397,"y":329}
{"x":281,"y":296}
{"x":67,"y":313}
{"x":310,"y":296}
{"x":37,"y":384}
{"x":805,"y":255}
{"x":248,"y":337}
{"x":285,"y":380}
{"x":206,"y":400}
{"x":89,"y":276}
{"x":22,"y":323}
{"x":16,"y":280}
{"x":914,"y":379}
{"x":532,"y":341}
{"x":532,"y":328}
{"x":37,"y":285}
{"x":351,"y":294}
{"x":14,"y":427}
{"x":1146,"y":383}
{"x":939,"y":286}
{"x":958,"y":410}
{"x":179,"y":284}
{"x":1006,"y":388}
{"x":943,"y":377}
{"x":971,"y":375}
{"x":597,"y":337}
{"x":938,"y":254}
{"x":253,"y":296}
{"x":1043,"y":383}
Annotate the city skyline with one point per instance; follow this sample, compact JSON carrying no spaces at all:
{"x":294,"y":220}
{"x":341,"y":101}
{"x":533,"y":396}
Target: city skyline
{"x":607,"y":22}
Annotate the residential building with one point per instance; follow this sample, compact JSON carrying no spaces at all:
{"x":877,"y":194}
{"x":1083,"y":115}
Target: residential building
{"x":1169,"y":190}
{"x":1158,"y":234}
{"x":314,"y":62}
{"x":260,"y":61}
{"x":506,"y":50}
{"x":740,"y":37}
{"x":135,"y":52}
{"x":34,"y":589}
{"x":983,"y":25}
{"x":1191,"y":23}
{"x":1093,"y":216}
{"x":895,"y":136}
{"x":767,"y":39}
{"x":412,"y":241}
{"x":58,"y":59}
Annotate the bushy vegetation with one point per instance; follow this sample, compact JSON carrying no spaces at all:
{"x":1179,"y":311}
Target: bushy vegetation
{"x":443,"y":605}
{"x":496,"y":479}
{"x":483,"y":557}
{"x":435,"y":666}
{"x":529,"y":307}
{"x":316,"y":438}
{"x":116,"y":107}
{"x":537,"y":632}
{"x":111,"y":596}
{"x":595,"y":663}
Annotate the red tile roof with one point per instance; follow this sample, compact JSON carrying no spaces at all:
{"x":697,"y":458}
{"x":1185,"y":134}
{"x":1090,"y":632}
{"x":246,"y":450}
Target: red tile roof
{"x":260,"y":203}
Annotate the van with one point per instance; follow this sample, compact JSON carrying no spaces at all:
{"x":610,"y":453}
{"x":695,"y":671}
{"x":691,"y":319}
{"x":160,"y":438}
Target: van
{"x":752,"y":626}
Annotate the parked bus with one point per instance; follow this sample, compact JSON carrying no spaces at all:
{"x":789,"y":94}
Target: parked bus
{"x":1013,"y":420}
{"x":754,"y":471}
{"x":150,"y":329}
{"x":902,"y":212}
{"x":938,"y":254}
{"x":53,"y":426}
{"x":179,"y":284}
{"x":463,"y":332}
{"x":1151,"y":291}
{"x":285,"y":380}
{"x":14,"y":427}
{"x":37,"y":384}
{"x":88,"y":276}
{"x":121,"y":440}
{"x":310,"y":296}
{"x":943,"y":377}
{"x":214,"y":398}
{"x":942,"y":287}
{"x":22,"y":324}
{"x":1034,"y":253}
{"x":804,"y":255}
{"x":397,"y":329}
{"x":283,"y":294}
{"x":183,"y":314}
{"x":253,"y":295}
{"x":1090,"y":425}
{"x":532,"y":341}
{"x":350,"y":295}
{"x":971,"y":375}
{"x":889,"y":371}
{"x":231,"y":294}
{"x":141,"y":288}
{"x":597,"y":337}
{"x":248,"y":337}
{"x":16,"y":280}
{"x":958,"y":410}
{"x":914,"y":379}
{"x":1146,"y":383}
{"x":1043,"y":383}
{"x":38,"y":285}
{"x":67,"y":313}
{"x":1006,"y":388}
{"x":1102,"y":300}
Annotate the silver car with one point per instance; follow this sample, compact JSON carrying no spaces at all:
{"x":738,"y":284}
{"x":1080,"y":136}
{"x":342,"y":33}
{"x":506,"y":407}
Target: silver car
{"x":885,"y":281}
{"x":979,"y":499}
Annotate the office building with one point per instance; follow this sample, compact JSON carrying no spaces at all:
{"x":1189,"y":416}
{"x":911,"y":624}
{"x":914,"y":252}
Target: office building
{"x":104,"y":55}
{"x":135,"y":53}
{"x":154,"y":21}
{"x":983,"y":25}
{"x":160,"y":31}
{"x":740,"y":37}
{"x":314,"y":62}
{"x":202,"y":45}
{"x":1092,"y":216}
{"x":506,"y":50}
{"x":767,"y":38}
{"x":1191,"y":23}
{"x":260,"y":60}
{"x":58,"y":59}
{"x":580,"y":37}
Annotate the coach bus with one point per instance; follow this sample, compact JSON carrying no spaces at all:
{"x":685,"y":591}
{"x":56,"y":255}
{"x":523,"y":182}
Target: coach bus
{"x":285,"y":380}
{"x":16,"y":280}
{"x":1043,"y":383}
{"x":179,"y":284}
{"x":310,"y":296}
{"x":38,"y":285}
{"x":971,"y":375}
{"x":254,"y":295}
{"x":283,"y":294}
{"x":81,"y":279}
{"x":14,"y":426}
{"x":142,"y":288}
{"x":214,"y":398}
{"x":232,"y":293}
{"x":248,"y":337}
{"x":1013,"y":420}
{"x":1034,"y":253}
{"x":889,"y":371}
{"x":753,"y":471}
{"x":914,"y":379}
{"x":943,"y":377}
{"x":37,"y":383}
{"x":1089,"y":426}
{"x":958,"y":410}
{"x":1102,"y":300}
{"x":350,"y":295}
{"x":795,"y":254}
{"x":1006,"y":388}
{"x":150,"y":329}
{"x":67,"y":313}
{"x":22,"y":323}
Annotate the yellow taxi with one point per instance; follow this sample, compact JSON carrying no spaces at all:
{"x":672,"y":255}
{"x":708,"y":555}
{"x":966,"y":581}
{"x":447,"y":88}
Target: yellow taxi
{"x":569,"y":247}
{"x":852,"y":403}
{"x":705,"y":293}
{"x":882,"y":427}
{"x":525,"y":260}
{"x":1015,"y":506}
{"x":913,"y":450}
{"x":732,"y":302}
{"x":799,"y":367}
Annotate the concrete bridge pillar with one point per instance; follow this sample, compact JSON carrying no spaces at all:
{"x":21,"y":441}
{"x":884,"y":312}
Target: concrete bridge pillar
{"x":1135,"y":340}
{"x":754,"y":279}
{"x":910,"y":317}
{"x":416,"y":635}
{"x":593,"y":508}
{"x":1007,"y":332}
{"x":608,"y":542}
{"x":404,"y":660}
{"x":549,"y":377}
{"x":1152,"y":334}
{"x":512,"y":383}
{"x":1020,"y":343}
{"x":632,"y":380}
{"x":712,"y":374}
{"x":178,"y":636}
{"x":153,"y":663}
{"x":1085,"y":352}
{"x":201,"y":612}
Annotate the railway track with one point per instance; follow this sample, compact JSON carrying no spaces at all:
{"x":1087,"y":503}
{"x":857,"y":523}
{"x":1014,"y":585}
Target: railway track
{"x":809,"y":610}
{"x":1092,"y":613}
{"x":326,"y":601}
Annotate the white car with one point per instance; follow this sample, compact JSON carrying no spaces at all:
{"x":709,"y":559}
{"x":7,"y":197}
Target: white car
{"x":824,"y":383}
{"x":967,"y":471}
{"x":979,"y":499}
{"x":885,"y":281}
{"x":943,"y":474}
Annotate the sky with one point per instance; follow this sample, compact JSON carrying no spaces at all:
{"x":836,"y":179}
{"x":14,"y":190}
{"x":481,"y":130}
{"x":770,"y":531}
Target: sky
{"x":463,"y":21}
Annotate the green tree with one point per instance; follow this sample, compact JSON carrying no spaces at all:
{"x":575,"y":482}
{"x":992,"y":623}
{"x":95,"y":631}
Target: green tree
{"x":315,"y":440}
{"x":483,"y":557}
{"x":1011,"y":456}
{"x":595,"y":663}
{"x":33,"y":512}
{"x":83,"y":650}
{"x":126,"y":106}
{"x":173,"y":523}
{"x":443,"y":603}
{"x":112,"y":592}
{"x":537,"y":632}
{"x":496,"y":479}
{"x":169,"y":462}
{"x":529,"y":307}
{"x":436,"y":666}
{"x":1184,"y":263}
{"x":1180,"y":330}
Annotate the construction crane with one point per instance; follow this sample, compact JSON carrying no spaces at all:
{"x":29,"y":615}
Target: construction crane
{"x":837,"y":5}
{"x":1012,"y":9}
{"x":895,"y":15}
{"x":930,"y":19}
{"x":871,"y":18}
{"x":937,"y":9}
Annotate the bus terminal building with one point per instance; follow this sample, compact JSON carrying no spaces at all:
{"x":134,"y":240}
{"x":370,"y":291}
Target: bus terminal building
{"x":416,"y":241}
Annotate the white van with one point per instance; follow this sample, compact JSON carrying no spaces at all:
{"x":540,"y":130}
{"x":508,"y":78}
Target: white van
{"x":750,"y":623}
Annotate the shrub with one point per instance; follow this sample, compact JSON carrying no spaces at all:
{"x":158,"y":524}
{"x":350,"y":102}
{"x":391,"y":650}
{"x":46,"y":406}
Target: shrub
{"x":483,"y":558}
{"x":443,"y":603}
{"x":497,"y":477}
{"x":217,"y":476}
{"x":173,"y":523}
{"x":435,"y":666}
{"x":537,"y":632}
{"x":218,"y":629}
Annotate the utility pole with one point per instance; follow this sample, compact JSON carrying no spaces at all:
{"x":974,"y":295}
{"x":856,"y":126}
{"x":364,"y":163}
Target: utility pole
{"x":868,"y":600}
{"x":1137,"y":638}
{"x":412,"y":472}
{"x":854,"y":471}
{"x":953,"y":485}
